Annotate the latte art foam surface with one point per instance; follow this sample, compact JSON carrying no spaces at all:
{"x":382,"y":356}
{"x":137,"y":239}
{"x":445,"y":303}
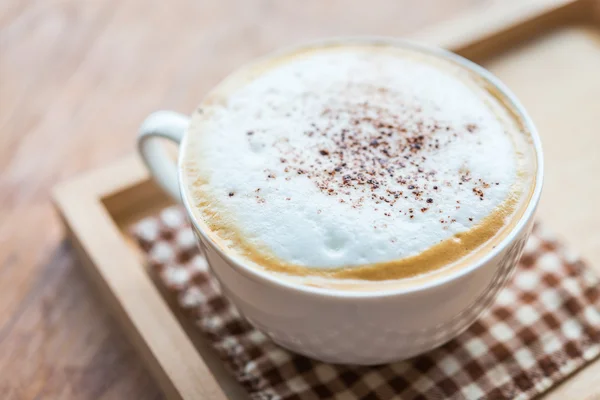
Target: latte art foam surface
{"x":333,"y":160}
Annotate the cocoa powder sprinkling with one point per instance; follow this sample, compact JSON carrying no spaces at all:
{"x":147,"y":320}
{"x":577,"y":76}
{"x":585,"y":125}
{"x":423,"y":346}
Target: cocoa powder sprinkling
{"x":366,"y":151}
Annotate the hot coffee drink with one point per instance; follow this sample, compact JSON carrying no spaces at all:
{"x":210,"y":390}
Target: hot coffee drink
{"x":356,"y":166}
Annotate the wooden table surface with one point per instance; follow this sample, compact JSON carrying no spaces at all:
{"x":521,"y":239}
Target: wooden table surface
{"x":76,"y":79}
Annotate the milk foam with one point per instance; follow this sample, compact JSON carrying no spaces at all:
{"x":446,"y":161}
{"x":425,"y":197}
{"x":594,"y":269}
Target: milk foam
{"x":350,"y":156}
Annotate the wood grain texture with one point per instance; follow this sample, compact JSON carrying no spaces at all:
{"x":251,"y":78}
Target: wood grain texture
{"x":76,"y":78}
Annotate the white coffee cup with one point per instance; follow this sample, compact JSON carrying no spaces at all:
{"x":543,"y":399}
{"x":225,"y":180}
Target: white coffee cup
{"x":349,"y":327}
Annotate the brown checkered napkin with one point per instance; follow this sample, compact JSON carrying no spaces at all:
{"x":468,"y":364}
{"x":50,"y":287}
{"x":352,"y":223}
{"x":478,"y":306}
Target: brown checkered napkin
{"x":542,"y":327}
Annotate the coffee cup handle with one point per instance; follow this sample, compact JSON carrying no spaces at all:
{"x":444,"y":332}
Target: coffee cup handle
{"x":162,"y":125}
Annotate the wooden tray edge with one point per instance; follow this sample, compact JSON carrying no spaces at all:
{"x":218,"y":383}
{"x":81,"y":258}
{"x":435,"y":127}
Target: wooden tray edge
{"x":168,"y":351}
{"x":480,"y":32}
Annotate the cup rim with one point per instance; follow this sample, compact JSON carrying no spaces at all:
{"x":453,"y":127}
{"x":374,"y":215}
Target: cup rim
{"x":268,"y":278}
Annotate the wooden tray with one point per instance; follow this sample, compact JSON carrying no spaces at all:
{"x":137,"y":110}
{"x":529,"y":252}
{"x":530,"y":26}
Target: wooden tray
{"x":548,"y":52}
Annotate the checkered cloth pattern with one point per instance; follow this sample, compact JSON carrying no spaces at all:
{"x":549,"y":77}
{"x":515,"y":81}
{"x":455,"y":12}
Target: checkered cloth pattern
{"x":543,"y":326}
